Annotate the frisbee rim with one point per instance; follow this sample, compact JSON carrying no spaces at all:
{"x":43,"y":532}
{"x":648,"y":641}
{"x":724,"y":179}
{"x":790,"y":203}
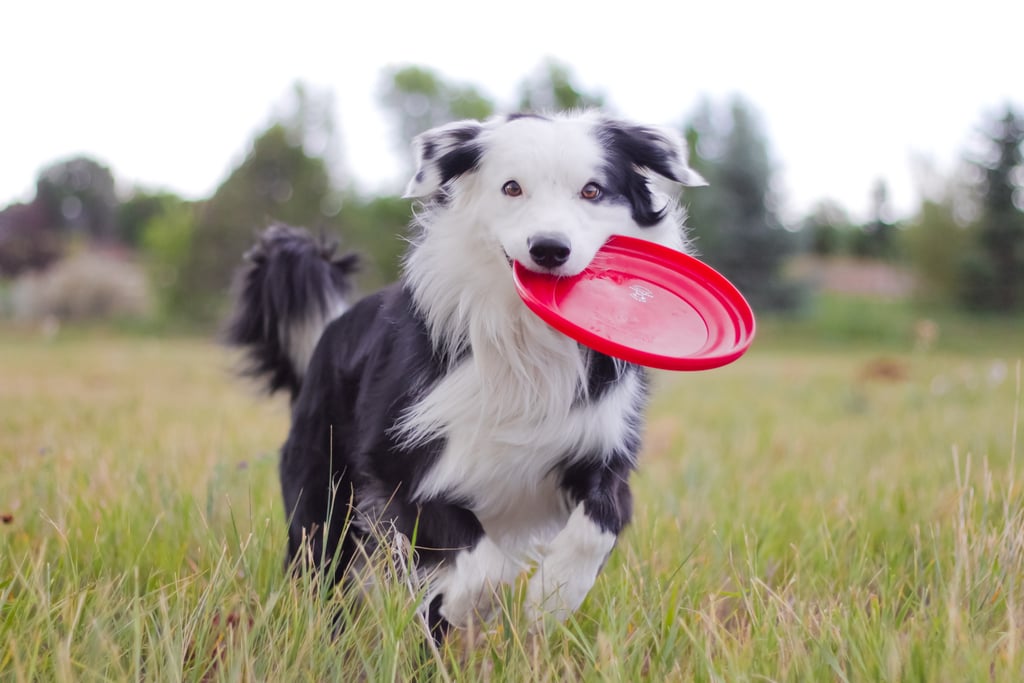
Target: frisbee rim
{"x":664,"y":267}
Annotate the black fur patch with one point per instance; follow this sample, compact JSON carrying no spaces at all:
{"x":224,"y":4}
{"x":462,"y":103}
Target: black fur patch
{"x":466,"y":133}
{"x":459,"y":161}
{"x":429,"y":149}
{"x":437,"y":625}
{"x":603,"y":490}
{"x":462,"y":156}
{"x":603,"y":373}
{"x":629,"y":149}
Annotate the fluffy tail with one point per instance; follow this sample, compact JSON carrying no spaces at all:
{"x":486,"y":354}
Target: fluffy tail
{"x":290,"y":287}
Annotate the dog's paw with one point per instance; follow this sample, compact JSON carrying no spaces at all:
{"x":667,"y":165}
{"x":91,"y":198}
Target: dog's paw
{"x":469,"y":585}
{"x":460,"y":605}
{"x":566,"y":574}
{"x":557,"y":589}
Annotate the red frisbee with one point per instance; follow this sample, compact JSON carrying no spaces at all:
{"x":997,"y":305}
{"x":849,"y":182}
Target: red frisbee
{"x":646,"y":304}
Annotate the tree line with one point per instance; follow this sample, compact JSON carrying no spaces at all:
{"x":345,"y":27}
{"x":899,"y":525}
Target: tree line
{"x":966,"y":242}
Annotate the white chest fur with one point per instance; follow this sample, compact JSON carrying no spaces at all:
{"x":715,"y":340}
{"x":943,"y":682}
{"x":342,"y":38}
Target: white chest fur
{"x":506,"y":431}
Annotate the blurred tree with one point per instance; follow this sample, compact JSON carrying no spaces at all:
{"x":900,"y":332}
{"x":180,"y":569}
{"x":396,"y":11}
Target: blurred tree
{"x":734,"y":220}
{"x":277,"y":181}
{"x":417,"y":98}
{"x":550,"y":89}
{"x":876,"y":238}
{"x":308,"y":116}
{"x":703,"y":133}
{"x":286,"y":176}
{"x":166,"y":241}
{"x":138,"y":209}
{"x":79,"y":199}
{"x":934,"y":242}
{"x":827,"y":228}
{"x":376,"y":229}
{"x":994,"y":267}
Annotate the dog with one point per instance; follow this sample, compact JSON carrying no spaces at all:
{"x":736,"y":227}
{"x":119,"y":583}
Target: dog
{"x":440,"y":409}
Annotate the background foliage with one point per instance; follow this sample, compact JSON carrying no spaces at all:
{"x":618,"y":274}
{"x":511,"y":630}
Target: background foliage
{"x":963,"y":247}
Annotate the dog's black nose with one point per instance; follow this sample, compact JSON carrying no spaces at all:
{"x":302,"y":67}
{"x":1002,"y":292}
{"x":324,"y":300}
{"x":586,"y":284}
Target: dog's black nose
{"x":549,"y":251}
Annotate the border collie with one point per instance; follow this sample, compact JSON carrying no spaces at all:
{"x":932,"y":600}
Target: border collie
{"x":440,"y":409}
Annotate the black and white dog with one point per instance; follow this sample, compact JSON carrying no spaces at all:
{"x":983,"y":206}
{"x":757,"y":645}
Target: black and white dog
{"x":441,"y":409}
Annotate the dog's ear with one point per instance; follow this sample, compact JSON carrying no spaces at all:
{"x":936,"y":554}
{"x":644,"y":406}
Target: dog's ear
{"x":443,"y":154}
{"x":657,"y":149}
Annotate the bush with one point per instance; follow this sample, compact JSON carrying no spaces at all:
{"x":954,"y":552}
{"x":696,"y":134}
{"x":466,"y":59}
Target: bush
{"x":26,"y":241}
{"x":90,"y":285}
{"x":167,"y":241}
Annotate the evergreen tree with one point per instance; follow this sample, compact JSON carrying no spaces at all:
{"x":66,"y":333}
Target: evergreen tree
{"x":875,"y":239}
{"x":827,"y":228}
{"x":994,"y":268}
{"x":734,"y":220}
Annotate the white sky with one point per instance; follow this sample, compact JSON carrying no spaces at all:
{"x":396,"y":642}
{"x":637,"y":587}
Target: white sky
{"x":169,"y":94}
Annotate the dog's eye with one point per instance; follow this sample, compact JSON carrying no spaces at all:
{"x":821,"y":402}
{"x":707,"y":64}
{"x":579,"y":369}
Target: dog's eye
{"x":512,"y":189}
{"x":591,"y":191}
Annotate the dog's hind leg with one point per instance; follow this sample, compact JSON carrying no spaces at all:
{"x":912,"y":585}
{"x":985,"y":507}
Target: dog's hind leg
{"x":317,"y":485}
{"x":318,"y":502}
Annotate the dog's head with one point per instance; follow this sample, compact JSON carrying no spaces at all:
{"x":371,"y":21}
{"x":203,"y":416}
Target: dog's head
{"x":549,"y":191}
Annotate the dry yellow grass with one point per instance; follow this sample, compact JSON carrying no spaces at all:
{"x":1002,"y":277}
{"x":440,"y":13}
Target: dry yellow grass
{"x":801,"y":515}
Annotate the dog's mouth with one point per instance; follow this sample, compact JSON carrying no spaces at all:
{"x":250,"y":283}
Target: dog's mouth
{"x":511,"y":264}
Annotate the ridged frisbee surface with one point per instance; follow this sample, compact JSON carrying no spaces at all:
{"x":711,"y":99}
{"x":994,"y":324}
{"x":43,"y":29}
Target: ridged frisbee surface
{"x":646,"y":304}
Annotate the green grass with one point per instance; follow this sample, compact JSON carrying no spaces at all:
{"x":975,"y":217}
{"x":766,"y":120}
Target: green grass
{"x":845,"y":322}
{"x":810,"y":513}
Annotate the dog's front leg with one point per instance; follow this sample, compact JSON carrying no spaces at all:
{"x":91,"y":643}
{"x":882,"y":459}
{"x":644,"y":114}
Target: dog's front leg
{"x":576,"y":554}
{"x":464,"y":589}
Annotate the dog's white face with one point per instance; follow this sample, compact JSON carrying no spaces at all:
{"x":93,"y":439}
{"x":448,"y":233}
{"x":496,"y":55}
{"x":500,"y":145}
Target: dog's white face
{"x":548,"y":192}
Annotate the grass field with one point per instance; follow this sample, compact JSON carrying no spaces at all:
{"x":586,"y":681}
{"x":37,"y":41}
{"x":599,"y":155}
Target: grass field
{"x":811,"y":513}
